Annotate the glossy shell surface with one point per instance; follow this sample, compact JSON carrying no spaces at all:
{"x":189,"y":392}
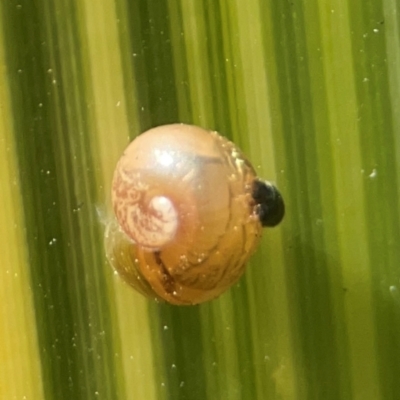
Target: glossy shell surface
{"x":185,"y":219}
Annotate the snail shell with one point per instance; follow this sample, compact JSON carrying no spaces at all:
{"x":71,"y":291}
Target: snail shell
{"x":189,"y":212}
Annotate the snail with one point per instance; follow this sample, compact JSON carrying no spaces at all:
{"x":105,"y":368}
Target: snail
{"x":189,"y":211}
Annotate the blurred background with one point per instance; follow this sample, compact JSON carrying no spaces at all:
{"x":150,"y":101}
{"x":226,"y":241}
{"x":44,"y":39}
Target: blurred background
{"x":309,"y":89}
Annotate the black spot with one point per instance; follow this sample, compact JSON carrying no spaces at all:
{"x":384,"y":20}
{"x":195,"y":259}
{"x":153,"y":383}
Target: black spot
{"x":269,"y":203}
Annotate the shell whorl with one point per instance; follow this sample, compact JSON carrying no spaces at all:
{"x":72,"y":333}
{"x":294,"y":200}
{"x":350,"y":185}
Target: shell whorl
{"x":150,"y":221}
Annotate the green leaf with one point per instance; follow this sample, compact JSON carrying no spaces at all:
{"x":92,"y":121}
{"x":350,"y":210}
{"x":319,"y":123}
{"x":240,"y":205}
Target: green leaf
{"x":310,"y":91}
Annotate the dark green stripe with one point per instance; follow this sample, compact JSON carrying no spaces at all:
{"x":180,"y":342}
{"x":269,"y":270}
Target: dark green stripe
{"x":181,"y":61}
{"x":155,"y":79}
{"x":180,"y":331}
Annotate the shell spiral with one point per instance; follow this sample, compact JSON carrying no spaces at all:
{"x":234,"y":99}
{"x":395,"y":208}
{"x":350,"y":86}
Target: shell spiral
{"x":185,"y":217}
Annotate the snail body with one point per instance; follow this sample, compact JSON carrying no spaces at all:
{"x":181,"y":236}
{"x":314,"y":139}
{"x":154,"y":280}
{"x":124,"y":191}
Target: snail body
{"x":189,"y":211}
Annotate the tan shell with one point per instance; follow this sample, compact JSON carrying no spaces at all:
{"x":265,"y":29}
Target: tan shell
{"x":185,"y":219}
